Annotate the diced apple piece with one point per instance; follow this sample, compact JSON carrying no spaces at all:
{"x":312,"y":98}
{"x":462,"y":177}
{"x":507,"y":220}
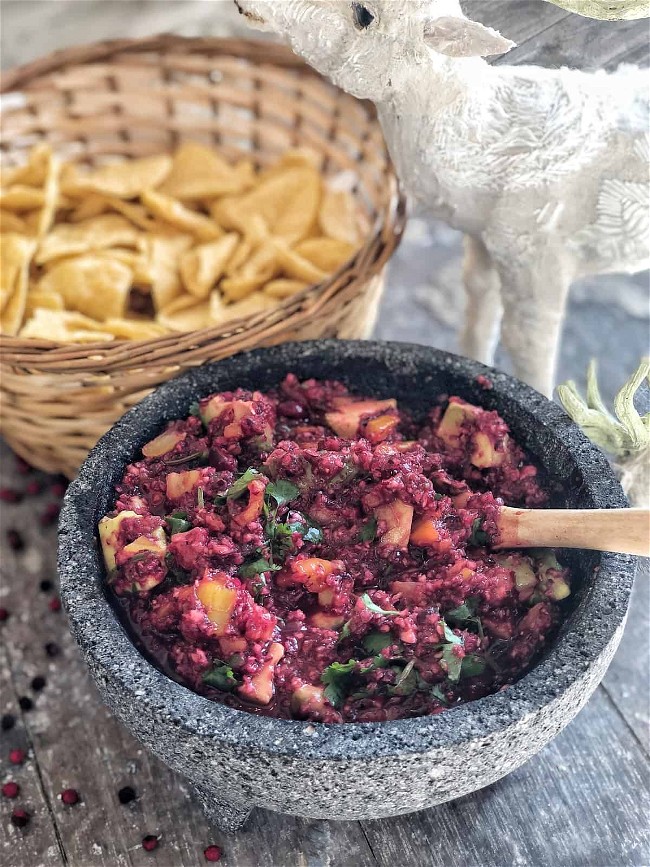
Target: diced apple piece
{"x":213,"y":408}
{"x":344,"y":420}
{"x":484,"y":454}
{"x":108,"y":530}
{"x":457,"y":414}
{"x":308,"y":699}
{"x":425,"y":533}
{"x":551,"y":577}
{"x":323,"y":620}
{"x":157,"y":545}
{"x":313,"y":572}
{"x":381,"y":427}
{"x":253,"y":508}
{"x":397,"y":518}
{"x":260,"y":688}
{"x":162,"y":444}
{"x":218,"y":600}
{"x":182,"y":483}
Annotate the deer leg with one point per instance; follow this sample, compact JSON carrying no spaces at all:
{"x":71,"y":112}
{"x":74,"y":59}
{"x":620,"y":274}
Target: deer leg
{"x":483,"y":313}
{"x":534,"y":295}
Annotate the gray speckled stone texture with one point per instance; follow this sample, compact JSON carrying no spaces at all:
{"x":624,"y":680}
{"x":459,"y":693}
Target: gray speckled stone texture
{"x":236,"y":760}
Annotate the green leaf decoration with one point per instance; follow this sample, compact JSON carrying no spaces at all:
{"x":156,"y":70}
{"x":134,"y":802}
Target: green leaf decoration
{"x":368,"y":532}
{"x":178,"y":523}
{"x":221,"y":676}
{"x":282,"y":491}
{"x":375,"y":642}
{"x":257,"y":567}
{"x":372,"y":606}
{"x":238,"y":488}
{"x":337,"y":678}
{"x":452,"y":662}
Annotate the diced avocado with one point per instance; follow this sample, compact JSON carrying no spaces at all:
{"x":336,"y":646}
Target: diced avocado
{"x":157,"y":545}
{"x":397,"y":518}
{"x":456,"y":415}
{"x":307,"y":698}
{"x":484,"y":454}
{"x":344,"y":420}
{"x":218,"y":600}
{"x":162,"y":444}
{"x":182,"y":483}
{"x":108,"y":529}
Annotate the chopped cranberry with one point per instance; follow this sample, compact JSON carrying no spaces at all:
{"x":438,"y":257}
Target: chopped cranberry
{"x":4,"y":614}
{"x":38,"y":683}
{"x":17,"y":757}
{"x":10,"y":495}
{"x":33,"y":488}
{"x":54,"y":604}
{"x":50,"y":515}
{"x":15,"y":540}
{"x":19,"y":818}
{"x":126,"y":794}
{"x":46,"y":585}
{"x":150,"y":842}
{"x":70,"y":796}
{"x":52,"y":649}
{"x":11,"y":789}
{"x":25,"y":703}
{"x":58,"y":489}
{"x":7,"y":722}
{"x":212,"y":853}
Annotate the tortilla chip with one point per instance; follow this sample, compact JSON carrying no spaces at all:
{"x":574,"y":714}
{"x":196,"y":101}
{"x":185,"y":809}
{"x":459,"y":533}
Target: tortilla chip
{"x":337,"y":217}
{"x":62,"y":326}
{"x":124,"y":180}
{"x":137,"y":214}
{"x":176,"y":214}
{"x":33,"y":173}
{"x":202,"y":267}
{"x":328,"y":254}
{"x":21,"y":198}
{"x":284,"y":288}
{"x":162,"y":253}
{"x":230,"y":214}
{"x":50,"y":195}
{"x":134,"y":329}
{"x":295,"y":266}
{"x":303,"y":157}
{"x":198,"y":172}
{"x":184,"y":314}
{"x":15,"y":255}
{"x":11,"y":223}
{"x":97,"y":233}
{"x":92,"y":205}
{"x":241,"y":255}
{"x":94,"y":285}
{"x":45,"y":300}
{"x":261,"y":267}
{"x":220,"y":312}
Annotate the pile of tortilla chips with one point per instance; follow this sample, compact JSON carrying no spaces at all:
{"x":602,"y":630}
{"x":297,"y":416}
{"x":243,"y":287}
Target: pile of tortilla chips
{"x":136,"y":249}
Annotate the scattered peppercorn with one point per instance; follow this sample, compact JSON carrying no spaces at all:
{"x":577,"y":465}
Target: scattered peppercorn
{"x":126,"y":794}
{"x":50,"y":515}
{"x":25,"y":703}
{"x":52,"y":649}
{"x":19,"y":818}
{"x":34,"y":487}
{"x":54,"y":604}
{"x":11,"y":789}
{"x":17,"y":757}
{"x":10,"y":495}
{"x":150,"y":842}
{"x":4,"y":614}
{"x":70,"y":797}
{"x":38,"y":683}
{"x":45,"y":585}
{"x":15,"y":540}
{"x":7,"y":722}
{"x":212,"y":853}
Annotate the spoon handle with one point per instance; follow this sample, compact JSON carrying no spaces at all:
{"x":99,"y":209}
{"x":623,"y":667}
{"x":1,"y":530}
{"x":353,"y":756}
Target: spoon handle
{"x":625,"y":531}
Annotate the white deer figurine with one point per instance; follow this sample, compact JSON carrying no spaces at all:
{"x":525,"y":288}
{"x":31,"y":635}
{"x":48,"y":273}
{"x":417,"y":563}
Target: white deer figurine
{"x":544,"y":170}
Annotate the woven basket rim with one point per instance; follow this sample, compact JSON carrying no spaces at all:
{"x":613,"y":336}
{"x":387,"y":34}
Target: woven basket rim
{"x":392,"y":217}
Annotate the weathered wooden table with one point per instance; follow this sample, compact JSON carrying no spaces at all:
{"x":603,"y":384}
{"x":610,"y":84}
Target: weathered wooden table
{"x":583,"y":801}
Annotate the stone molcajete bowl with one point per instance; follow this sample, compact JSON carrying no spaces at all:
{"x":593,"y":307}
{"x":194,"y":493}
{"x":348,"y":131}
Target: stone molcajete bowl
{"x":237,"y":760}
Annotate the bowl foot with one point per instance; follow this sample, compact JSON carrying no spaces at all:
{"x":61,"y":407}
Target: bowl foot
{"x":225,"y":814}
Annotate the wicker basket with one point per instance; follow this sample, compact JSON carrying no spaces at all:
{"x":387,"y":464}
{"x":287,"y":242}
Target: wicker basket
{"x":136,"y":97}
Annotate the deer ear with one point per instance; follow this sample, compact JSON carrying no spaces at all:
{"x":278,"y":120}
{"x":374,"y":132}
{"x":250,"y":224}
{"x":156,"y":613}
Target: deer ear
{"x":460,"y":37}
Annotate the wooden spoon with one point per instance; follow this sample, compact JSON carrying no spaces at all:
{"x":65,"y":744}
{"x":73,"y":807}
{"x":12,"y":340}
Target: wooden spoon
{"x":625,"y":531}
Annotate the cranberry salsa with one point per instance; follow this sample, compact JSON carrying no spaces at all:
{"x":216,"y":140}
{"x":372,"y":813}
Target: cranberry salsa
{"x":306,"y":553}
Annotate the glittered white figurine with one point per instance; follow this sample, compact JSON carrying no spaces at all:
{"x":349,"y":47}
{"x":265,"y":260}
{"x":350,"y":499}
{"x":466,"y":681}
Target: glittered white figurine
{"x":546,"y":171}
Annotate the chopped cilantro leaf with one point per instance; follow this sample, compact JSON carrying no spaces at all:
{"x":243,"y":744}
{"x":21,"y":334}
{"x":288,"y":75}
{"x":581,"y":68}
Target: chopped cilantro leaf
{"x":195,"y":409}
{"x":282,"y":491}
{"x":450,"y":636}
{"x":345,"y":632}
{"x":368,"y":532}
{"x":452,"y":662}
{"x":177,"y":523}
{"x":478,"y":536}
{"x":221,"y":676}
{"x":406,"y":682}
{"x":437,"y":692}
{"x":185,"y":459}
{"x":375,"y":642}
{"x":371,"y":606}
{"x":239,"y":487}
{"x":257,"y":567}
{"x":465,"y":615}
{"x":472,"y":666}
{"x":337,"y":678}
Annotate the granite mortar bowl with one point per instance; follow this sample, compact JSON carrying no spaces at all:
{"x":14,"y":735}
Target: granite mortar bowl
{"x":236,"y":760}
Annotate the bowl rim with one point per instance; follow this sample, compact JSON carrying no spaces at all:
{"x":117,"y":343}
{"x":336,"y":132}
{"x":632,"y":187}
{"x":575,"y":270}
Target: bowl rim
{"x":109,"y":649}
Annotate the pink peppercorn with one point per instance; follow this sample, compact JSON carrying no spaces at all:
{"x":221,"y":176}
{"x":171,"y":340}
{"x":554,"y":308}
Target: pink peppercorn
{"x":11,"y":789}
{"x":20,"y":818}
{"x":54,"y":604}
{"x":212,"y":853}
{"x":17,"y":757}
{"x":70,"y":796}
{"x":150,"y":842}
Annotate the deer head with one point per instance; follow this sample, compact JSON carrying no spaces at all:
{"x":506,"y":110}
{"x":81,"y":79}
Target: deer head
{"x":364,"y":47}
